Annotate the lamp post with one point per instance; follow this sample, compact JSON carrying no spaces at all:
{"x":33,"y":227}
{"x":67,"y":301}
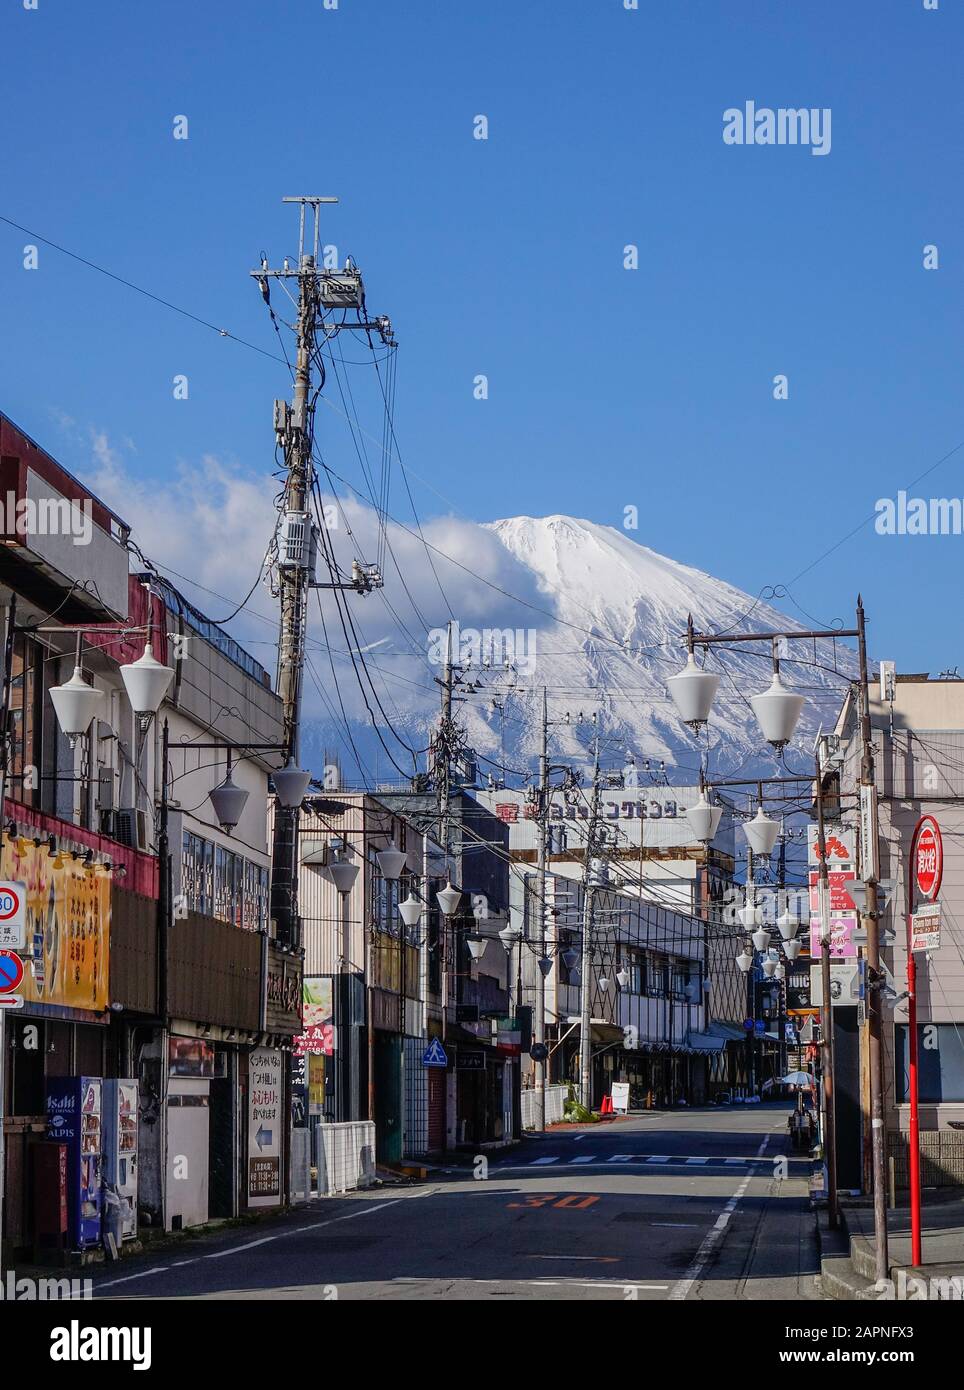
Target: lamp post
{"x":777,"y":711}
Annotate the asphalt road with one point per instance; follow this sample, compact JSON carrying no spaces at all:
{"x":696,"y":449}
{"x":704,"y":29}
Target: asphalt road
{"x":689,"y":1205}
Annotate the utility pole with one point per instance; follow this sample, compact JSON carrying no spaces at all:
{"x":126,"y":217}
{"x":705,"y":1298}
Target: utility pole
{"x":826,"y":1011}
{"x":294,"y":429}
{"x":539,"y":1021}
{"x":318,"y":290}
{"x":443,"y":776}
{"x":588,"y":921}
{"x":870,"y":872}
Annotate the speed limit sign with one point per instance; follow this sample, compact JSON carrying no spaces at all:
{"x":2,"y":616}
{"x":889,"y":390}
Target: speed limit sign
{"x":13,"y":916}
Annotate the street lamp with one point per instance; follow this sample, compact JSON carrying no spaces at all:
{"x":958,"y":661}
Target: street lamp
{"x":761,"y":939}
{"x":777,"y":711}
{"x":704,"y":819}
{"x":750,"y":915}
{"x":545,"y":965}
{"x":75,"y":704}
{"x":411,"y":910}
{"x":343,"y":875}
{"x":146,"y":681}
{"x":788,"y":925}
{"x":391,"y":862}
{"x":761,"y":833}
{"x":228,"y":800}
{"x":509,"y":936}
{"x":745,"y":959}
{"x":692,"y":691}
{"x":792,"y":949}
{"x":622,"y":977}
{"x":448,"y":899}
{"x":476,"y":945}
{"x":290,"y":785}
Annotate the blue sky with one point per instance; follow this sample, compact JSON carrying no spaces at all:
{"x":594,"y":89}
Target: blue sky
{"x":607,"y":387}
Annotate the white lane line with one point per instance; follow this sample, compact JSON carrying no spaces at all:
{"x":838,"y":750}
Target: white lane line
{"x":537,"y":1161}
{"x":684,"y":1285}
{"x":239,"y":1249}
{"x":675,"y":1223}
{"x":596,"y":1259}
{"x":697,"y":1160}
{"x":159,"y":1269}
{"x":589,"y":1158}
{"x":658,"y":1158}
{"x":582,"y":1284}
{"x":577,"y":1137}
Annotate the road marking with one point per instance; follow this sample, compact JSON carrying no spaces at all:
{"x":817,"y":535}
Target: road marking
{"x":675,"y":1223}
{"x":680,"y":1160}
{"x":682,"y":1288}
{"x":582,"y":1284}
{"x":314,"y":1226}
{"x":159,"y":1269}
{"x":239,"y":1249}
{"x":572,"y":1201}
{"x":596,"y":1259}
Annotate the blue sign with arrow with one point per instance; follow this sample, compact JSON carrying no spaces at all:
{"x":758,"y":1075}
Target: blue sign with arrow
{"x":434,"y":1055}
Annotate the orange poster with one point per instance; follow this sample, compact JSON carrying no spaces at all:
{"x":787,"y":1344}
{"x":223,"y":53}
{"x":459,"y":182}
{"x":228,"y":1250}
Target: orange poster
{"x":68,"y":926}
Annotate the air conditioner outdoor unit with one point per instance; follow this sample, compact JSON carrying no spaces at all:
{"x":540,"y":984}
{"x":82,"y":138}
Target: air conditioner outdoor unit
{"x":131,"y":827}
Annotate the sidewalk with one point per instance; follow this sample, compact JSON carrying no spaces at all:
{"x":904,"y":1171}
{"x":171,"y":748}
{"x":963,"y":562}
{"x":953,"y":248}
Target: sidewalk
{"x":848,"y":1267}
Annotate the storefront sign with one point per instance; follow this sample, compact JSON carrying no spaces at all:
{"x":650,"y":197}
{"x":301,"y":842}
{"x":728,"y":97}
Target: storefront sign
{"x":925,"y":928}
{"x":927,"y":860}
{"x":839,"y":842}
{"x":264,"y":1127}
{"x":67,"y":931}
{"x":844,"y":984}
{"x":837,"y":881}
{"x":282,"y":992}
{"x":843,"y":929}
{"x":469,"y":1061}
{"x":318,"y":1016}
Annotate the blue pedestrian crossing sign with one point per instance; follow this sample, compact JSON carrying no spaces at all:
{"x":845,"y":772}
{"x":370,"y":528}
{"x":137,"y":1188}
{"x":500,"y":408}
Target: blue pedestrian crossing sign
{"x":434,"y":1055}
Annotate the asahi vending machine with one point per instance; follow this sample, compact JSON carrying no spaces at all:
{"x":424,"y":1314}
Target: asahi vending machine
{"x":120,"y":1149}
{"x":74,"y":1118}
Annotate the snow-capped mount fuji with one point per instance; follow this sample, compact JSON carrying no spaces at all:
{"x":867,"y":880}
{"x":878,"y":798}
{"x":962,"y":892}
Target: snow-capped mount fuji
{"x":602,"y":630}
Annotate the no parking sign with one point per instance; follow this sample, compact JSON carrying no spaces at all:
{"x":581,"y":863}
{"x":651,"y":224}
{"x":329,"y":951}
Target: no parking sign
{"x":13,"y":916}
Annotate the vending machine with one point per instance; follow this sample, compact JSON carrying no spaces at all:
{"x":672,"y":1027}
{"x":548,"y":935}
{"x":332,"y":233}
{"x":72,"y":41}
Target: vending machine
{"x":120,"y":1149}
{"x":74,"y":1119}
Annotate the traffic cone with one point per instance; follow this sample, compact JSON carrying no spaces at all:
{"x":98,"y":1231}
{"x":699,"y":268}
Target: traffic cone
{"x":607,"y":1106}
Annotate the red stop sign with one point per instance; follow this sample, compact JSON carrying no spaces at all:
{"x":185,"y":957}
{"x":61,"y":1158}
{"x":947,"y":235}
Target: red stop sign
{"x":928,"y":858}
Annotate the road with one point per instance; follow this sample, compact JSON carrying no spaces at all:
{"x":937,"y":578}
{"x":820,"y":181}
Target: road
{"x":693,"y":1205}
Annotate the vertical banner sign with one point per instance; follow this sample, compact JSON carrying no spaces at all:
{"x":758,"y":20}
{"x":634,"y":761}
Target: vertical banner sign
{"x":869,"y":865}
{"x":264,"y":1127}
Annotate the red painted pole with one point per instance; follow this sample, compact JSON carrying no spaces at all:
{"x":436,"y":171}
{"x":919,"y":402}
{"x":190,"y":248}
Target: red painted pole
{"x":914,"y":1137}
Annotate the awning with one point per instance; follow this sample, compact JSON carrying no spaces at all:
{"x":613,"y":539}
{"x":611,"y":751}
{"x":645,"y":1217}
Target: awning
{"x":705,"y":1042}
{"x":603,"y":1034}
{"x":729,"y":1032}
